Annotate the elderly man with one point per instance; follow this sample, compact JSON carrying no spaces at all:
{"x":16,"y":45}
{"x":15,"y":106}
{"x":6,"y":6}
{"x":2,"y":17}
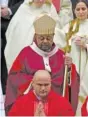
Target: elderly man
{"x":21,"y":31}
{"x":42,"y":54}
{"x":40,"y":100}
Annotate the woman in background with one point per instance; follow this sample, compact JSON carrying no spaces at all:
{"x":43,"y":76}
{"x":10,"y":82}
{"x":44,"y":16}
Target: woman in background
{"x":78,"y":40}
{"x":78,"y":36}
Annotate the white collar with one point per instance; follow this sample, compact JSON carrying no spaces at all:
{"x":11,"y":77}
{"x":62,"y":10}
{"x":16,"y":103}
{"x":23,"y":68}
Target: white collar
{"x":42,"y":53}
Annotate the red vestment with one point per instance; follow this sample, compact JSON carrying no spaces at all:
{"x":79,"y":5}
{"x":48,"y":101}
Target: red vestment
{"x":84,"y":110}
{"x":55,"y":105}
{"x":27,"y":63}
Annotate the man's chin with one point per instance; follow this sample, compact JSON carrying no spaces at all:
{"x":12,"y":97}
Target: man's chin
{"x":43,"y":95}
{"x":46,"y":50}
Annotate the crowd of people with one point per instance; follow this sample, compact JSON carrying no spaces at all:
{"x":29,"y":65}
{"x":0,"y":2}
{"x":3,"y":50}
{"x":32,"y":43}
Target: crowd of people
{"x":44,"y":58}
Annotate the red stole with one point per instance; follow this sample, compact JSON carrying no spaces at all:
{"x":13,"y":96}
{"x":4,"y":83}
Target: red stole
{"x":56,"y":4}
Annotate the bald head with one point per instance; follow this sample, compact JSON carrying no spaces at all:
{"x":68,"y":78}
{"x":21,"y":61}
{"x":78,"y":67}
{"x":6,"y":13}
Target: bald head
{"x":42,"y":75}
{"x":42,"y":83}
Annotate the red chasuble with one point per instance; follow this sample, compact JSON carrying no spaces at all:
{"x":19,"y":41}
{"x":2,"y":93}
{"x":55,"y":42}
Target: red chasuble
{"x":54,"y":105}
{"x":84,"y":109}
{"x":28,"y":62}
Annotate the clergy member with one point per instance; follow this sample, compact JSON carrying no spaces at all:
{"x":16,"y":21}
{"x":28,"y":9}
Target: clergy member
{"x":21,"y":30}
{"x":41,"y":100}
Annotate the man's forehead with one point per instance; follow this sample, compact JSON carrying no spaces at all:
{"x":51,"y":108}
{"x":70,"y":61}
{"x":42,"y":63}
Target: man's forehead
{"x":43,"y":79}
{"x":41,"y":75}
{"x":43,"y":82}
{"x":44,"y":34}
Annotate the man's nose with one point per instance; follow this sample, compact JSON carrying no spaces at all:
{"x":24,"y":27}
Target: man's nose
{"x":42,"y":87}
{"x":45,"y":40}
{"x":81,"y":11}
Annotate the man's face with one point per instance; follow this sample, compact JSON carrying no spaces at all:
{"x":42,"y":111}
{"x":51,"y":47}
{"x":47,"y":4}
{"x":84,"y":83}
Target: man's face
{"x":44,"y":42}
{"x":39,"y":3}
{"x":81,"y":11}
{"x":42,"y":87}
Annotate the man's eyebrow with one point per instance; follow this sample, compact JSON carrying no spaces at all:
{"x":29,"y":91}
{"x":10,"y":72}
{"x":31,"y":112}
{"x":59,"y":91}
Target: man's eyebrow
{"x":42,"y":84}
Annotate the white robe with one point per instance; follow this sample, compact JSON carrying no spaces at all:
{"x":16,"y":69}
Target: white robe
{"x":20,"y":31}
{"x":83,"y":92}
{"x":65,"y":15}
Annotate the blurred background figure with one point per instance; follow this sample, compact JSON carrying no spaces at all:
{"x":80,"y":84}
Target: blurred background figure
{"x":8,"y":9}
{"x":64,"y":10}
{"x":78,"y":35}
{"x":3,"y":4}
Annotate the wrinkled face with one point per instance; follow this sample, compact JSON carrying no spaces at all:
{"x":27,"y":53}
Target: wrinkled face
{"x":42,"y":87}
{"x":44,"y":42}
{"x":39,"y":3}
{"x":81,"y":11}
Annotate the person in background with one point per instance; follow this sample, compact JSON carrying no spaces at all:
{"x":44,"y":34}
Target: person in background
{"x":8,"y":9}
{"x":79,"y":35}
{"x":73,"y":6}
{"x":41,"y":99}
{"x":64,"y":10}
{"x":3,"y":4}
{"x":42,"y":54}
{"x":22,"y":33}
